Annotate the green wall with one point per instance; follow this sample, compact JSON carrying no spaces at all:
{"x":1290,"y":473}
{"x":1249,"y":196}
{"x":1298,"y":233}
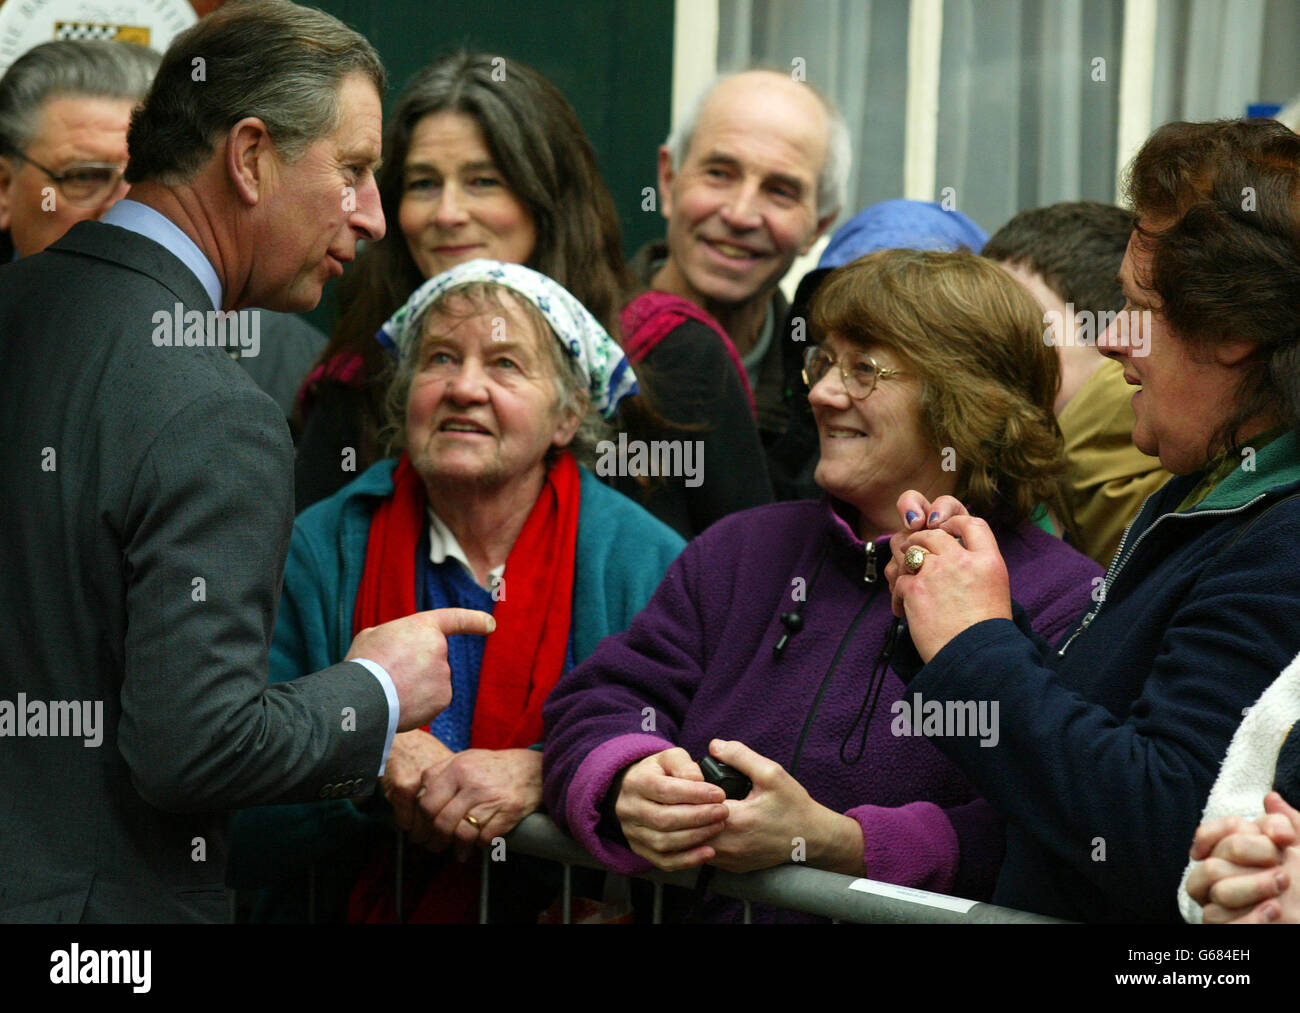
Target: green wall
{"x":612,"y":59}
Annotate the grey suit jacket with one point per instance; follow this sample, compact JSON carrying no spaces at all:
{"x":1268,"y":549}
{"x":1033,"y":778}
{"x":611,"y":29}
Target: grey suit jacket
{"x":147,"y":509}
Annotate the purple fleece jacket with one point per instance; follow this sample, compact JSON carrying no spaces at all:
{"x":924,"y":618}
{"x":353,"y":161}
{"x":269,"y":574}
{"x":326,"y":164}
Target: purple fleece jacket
{"x":697,"y":663}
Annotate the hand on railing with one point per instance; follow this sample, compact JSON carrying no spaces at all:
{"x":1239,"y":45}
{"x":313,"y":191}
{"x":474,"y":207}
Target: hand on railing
{"x":476,"y":796}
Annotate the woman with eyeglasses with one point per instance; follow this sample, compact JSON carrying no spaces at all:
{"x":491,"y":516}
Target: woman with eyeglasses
{"x":767,"y":645}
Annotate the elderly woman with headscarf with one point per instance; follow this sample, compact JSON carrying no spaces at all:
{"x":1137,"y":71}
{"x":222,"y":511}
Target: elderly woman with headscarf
{"x":1112,"y":737}
{"x":500,"y":370}
{"x":768,"y":643}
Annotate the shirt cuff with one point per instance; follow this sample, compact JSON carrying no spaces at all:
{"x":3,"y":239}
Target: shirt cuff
{"x":394,"y":707}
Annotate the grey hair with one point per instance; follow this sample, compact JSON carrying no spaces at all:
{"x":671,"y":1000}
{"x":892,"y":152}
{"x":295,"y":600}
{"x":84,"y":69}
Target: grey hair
{"x":110,"y":70}
{"x":572,"y":395}
{"x":274,"y":60}
{"x":833,"y":181}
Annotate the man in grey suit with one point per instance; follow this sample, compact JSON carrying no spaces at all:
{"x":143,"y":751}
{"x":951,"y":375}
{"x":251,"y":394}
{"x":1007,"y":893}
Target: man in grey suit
{"x":149,"y":490}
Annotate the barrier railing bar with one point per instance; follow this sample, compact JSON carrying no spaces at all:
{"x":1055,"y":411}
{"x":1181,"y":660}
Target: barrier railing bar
{"x":483,"y":876}
{"x":795,"y":887}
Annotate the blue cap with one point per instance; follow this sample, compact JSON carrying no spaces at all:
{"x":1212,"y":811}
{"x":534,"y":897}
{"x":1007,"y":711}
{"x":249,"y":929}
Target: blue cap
{"x":901,"y":225}
{"x":1263,"y":110}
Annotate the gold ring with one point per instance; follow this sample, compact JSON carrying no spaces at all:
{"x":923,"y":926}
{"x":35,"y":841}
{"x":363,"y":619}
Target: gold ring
{"x":914,"y":558}
{"x":472,"y":821}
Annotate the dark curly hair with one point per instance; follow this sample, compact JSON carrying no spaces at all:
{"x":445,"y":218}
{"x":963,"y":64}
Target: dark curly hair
{"x":1218,"y":207}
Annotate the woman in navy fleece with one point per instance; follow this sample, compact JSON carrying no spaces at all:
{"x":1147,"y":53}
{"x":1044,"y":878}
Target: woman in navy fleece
{"x":1110,"y":742}
{"x":766,"y":642}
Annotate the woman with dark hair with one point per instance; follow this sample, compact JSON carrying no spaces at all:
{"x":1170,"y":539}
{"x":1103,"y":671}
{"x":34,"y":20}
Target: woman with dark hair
{"x":1111,"y":739}
{"x":768,"y":643}
{"x":485,"y":158}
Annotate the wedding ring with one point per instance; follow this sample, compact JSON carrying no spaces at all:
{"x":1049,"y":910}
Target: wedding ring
{"x":472,"y":821}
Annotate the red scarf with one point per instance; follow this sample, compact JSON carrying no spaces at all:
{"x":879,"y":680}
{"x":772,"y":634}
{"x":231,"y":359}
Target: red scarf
{"x":521,"y":663}
{"x":651,"y":316}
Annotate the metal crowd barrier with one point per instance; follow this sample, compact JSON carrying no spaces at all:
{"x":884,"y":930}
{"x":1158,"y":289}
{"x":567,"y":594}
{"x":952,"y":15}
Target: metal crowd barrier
{"x":794,"y":887}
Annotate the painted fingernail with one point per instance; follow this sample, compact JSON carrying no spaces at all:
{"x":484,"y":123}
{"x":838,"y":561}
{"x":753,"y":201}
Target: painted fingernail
{"x":934,"y":517}
{"x":912,"y":515}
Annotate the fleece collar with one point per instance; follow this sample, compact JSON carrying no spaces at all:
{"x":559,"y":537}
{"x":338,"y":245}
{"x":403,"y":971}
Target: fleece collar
{"x":846,"y":544}
{"x":1275,"y":465}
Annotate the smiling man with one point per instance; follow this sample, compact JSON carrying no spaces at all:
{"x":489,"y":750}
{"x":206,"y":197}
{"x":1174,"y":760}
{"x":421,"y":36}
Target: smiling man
{"x":748,"y":181}
{"x":150,"y":488}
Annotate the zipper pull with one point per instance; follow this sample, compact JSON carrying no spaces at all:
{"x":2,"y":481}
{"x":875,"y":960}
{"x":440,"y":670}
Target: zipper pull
{"x":1087,"y":621}
{"x":872,"y":571}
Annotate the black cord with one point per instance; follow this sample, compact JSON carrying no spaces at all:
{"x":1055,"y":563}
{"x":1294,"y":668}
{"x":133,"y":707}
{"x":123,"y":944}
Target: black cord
{"x":873,"y":693}
{"x":793,"y":621}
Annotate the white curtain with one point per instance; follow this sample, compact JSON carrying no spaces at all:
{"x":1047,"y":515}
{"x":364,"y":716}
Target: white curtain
{"x":1215,"y":58}
{"x":853,"y":50}
{"x":1028,"y":89}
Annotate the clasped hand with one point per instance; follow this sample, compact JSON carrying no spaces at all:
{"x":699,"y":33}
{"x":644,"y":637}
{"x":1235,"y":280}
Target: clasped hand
{"x":1248,"y":870}
{"x":671,"y":816}
{"x":432,"y":789}
{"x":962,"y":580}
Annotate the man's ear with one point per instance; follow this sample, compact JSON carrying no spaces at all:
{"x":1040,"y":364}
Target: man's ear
{"x":249,"y":156}
{"x":6,"y":196}
{"x":822,"y":226}
{"x":666,"y":177}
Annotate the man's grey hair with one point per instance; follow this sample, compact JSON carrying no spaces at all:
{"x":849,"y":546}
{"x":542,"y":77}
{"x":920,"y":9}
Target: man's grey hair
{"x":272,"y":60}
{"x":76,"y":69}
{"x":832,"y":183}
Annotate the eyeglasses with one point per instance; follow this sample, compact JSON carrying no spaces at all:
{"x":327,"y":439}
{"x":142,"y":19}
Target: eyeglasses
{"x":87,"y":184}
{"x":859,"y":371}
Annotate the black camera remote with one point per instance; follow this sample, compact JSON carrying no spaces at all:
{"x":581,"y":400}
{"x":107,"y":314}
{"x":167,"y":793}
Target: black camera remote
{"x":728,"y":778}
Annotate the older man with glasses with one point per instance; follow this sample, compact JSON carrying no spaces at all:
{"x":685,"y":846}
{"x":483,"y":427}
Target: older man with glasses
{"x":64,"y":110}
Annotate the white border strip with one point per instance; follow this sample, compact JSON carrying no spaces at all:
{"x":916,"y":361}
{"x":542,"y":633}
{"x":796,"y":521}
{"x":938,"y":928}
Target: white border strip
{"x":921,"y":136}
{"x":912,"y":896}
{"x":695,"y":51}
{"x":1136,"y":83}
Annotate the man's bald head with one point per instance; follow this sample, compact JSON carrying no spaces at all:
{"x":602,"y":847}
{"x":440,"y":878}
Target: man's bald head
{"x":747,"y":183}
{"x":755,"y":85}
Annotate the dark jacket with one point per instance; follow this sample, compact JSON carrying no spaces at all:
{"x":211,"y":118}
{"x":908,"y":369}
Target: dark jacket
{"x":770,"y":395}
{"x":148,"y":511}
{"x":1111,"y":742}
